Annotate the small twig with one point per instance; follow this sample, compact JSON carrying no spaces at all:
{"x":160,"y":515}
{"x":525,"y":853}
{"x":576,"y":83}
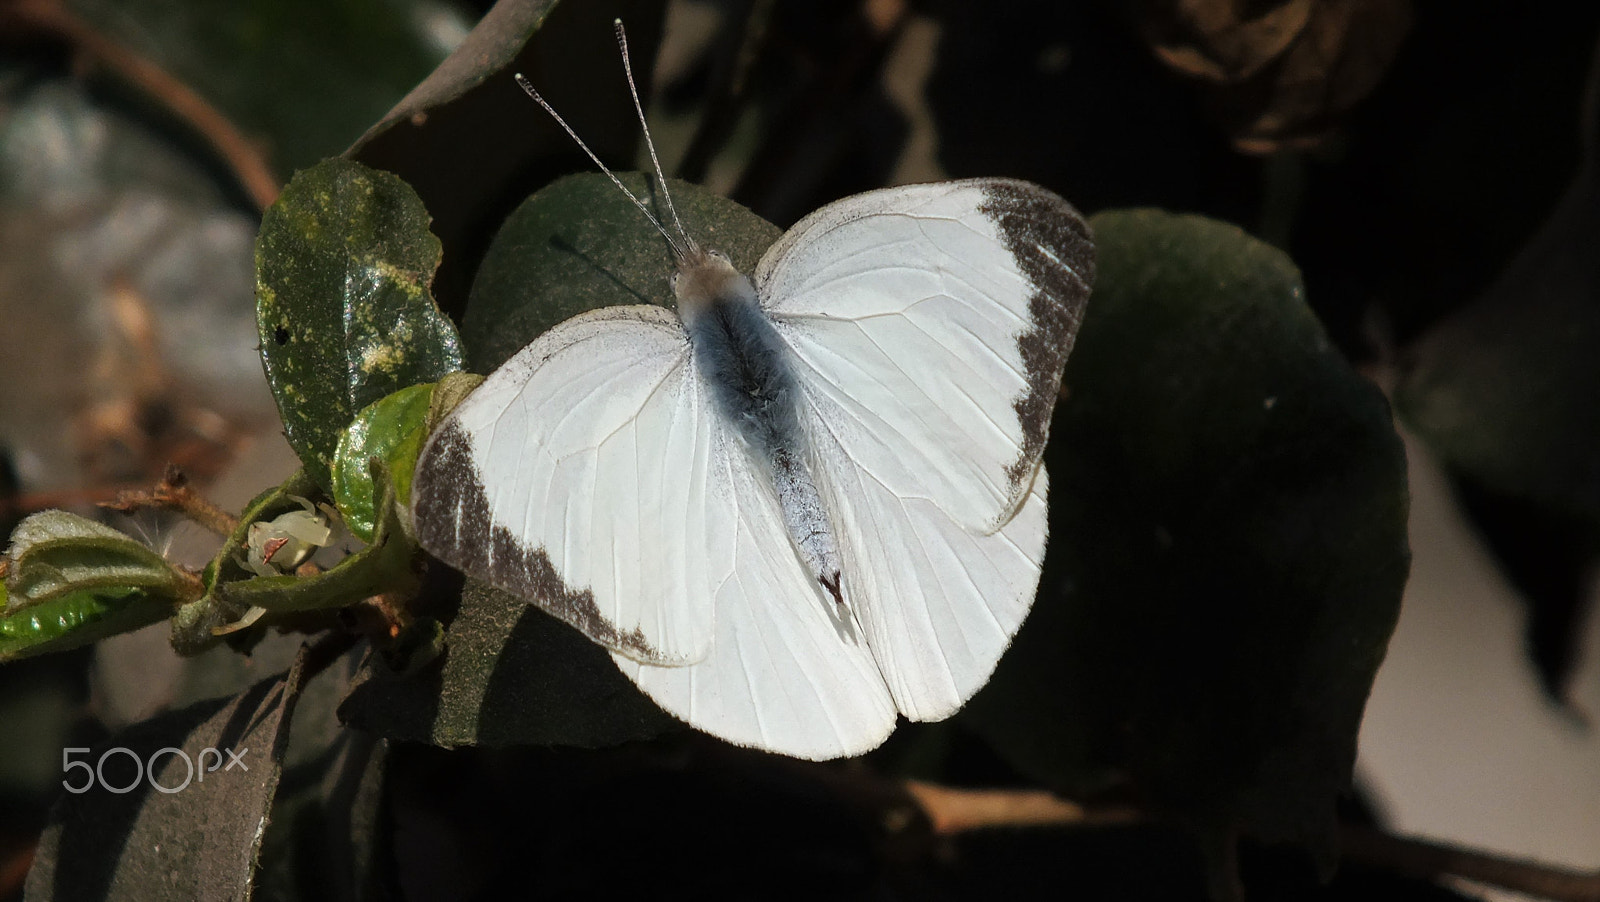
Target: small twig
{"x":16,"y":857}
{"x":197,"y":586}
{"x":1422,"y":858}
{"x":33,"y":502}
{"x":952,"y":810}
{"x":174,"y":493}
{"x":242,"y":157}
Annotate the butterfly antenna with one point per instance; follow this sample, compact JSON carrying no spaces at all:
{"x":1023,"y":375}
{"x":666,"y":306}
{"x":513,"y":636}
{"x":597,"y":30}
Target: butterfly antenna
{"x":679,"y":250}
{"x":627,"y":68}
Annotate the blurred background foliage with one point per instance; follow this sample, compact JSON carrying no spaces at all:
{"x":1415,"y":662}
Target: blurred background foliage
{"x":1427,"y":166}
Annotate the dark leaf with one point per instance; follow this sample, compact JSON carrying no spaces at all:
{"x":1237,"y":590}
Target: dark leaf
{"x":1221,"y":40}
{"x":1288,"y":74}
{"x":472,"y":156}
{"x":1508,"y":389}
{"x":1227,"y":551}
{"x":511,"y":675}
{"x":579,"y":245}
{"x":1507,"y":392}
{"x":749,"y":824}
{"x":324,"y":836}
{"x":488,"y":48}
{"x":343,"y":266}
{"x":152,"y":841}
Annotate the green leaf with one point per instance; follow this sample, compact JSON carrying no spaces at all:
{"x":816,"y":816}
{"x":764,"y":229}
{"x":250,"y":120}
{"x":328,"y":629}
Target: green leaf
{"x":392,"y":430}
{"x":1227,"y":551}
{"x":304,"y":77}
{"x":449,"y":392}
{"x":55,"y":553}
{"x":578,"y":245}
{"x":73,"y":581}
{"x":343,"y":264}
{"x":77,"y":619}
{"x":511,"y":673}
{"x":198,"y":842}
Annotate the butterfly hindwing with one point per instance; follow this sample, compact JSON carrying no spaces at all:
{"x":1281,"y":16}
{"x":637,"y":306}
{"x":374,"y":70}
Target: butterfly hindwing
{"x":584,"y":475}
{"x":788,"y":669}
{"x":934,"y":321}
{"x":938,"y":603}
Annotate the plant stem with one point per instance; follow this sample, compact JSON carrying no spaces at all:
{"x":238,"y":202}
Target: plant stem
{"x":951,"y":810}
{"x":244,"y":159}
{"x":1424,"y":858}
{"x":174,"y":493}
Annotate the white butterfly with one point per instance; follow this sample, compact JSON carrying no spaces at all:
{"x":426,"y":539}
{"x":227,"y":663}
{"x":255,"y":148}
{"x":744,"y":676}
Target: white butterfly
{"x":805,"y":502}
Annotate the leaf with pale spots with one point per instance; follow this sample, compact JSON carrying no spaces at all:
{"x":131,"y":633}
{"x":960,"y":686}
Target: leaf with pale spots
{"x":344,"y":264}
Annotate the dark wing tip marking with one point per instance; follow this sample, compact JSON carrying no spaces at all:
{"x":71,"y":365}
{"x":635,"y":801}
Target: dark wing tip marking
{"x":455,"y":525}
{"x":1054,"y":249}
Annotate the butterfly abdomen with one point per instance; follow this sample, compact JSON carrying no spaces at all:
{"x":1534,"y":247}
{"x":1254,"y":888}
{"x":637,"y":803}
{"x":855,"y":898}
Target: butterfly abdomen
{"x":745,"y":362}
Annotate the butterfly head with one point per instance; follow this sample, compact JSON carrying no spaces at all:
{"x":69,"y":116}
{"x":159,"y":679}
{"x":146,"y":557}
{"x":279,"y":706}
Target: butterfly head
{"x":705,"y":277}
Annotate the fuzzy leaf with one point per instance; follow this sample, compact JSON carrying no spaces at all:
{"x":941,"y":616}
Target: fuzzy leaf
{"x":198,"y":842}
{"x":1227,"y":550}
{"x":55,"y":553}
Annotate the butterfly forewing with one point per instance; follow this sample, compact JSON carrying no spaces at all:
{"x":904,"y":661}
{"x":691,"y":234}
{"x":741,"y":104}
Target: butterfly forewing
{"x":933,"y":322}
{"x":587,"y":474}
